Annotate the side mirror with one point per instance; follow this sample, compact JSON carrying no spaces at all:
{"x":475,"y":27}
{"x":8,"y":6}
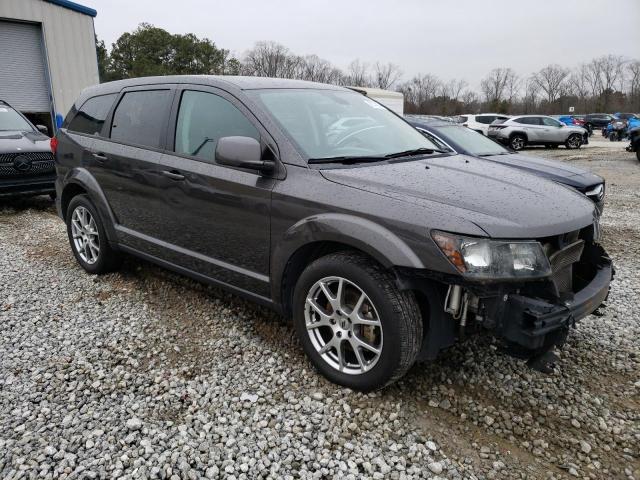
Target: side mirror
{"x":43,"y":129}
{"x":242,"y":152}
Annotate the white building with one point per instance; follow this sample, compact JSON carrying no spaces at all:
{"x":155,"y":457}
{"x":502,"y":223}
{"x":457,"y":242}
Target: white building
{"x":47,"y":56}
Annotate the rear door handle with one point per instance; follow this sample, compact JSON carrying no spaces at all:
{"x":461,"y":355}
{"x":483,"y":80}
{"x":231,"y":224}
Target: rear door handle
{"x":100,"y":157}
{"x":173,"y":174}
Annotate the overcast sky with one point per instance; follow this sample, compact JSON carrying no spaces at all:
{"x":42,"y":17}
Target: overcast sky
{"x":451,"y":39}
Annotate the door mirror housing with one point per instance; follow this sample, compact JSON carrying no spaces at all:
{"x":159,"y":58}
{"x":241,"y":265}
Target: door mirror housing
{"x":242,"y":152}
{"x":43,"y":129}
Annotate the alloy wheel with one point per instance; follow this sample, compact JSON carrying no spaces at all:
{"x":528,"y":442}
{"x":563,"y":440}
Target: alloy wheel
{"x":574,"y":141}
{"x":517,"y":143}
{"x":343,"y":325}
{"x":84,"y":231}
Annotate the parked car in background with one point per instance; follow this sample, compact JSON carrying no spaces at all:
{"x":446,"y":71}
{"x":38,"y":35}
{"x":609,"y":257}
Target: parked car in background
{"x":381,"y":248}
{"x":593,"y":121}
{"x":573,"y":120}
{"x":634,"y":141}
{"x":26,"y":162}
{"x":626,"y":116}
{"x":464,"y":141}
{"x":480,"y":123}
{"x":523,"y":130}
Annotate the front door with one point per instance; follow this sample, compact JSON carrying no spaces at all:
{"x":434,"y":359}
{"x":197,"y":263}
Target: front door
{"x":216,"y":219}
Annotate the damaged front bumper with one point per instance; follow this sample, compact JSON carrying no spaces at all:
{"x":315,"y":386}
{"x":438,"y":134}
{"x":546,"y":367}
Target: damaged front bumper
{"x":537,"y":323}
{"x":529,"y":318}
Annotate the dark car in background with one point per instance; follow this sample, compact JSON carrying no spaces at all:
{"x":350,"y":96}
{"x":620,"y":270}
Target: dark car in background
{"x":462,"y":140}
{"x":381,"y":248}
{"x":26,"y":162}
{"x":593,"y":121}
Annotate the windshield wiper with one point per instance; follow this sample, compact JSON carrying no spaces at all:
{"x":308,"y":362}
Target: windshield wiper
{"x":415,"y":151}
{"x":345,"y":159}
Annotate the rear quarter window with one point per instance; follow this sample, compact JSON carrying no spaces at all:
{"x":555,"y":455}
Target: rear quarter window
{"x":485,"y":119}
{"x":141,"y":117}
{"x":90,"y":117}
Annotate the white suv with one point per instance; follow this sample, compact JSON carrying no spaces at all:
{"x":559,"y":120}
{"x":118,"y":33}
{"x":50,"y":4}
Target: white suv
{"x":480,"y":123}
{"x":524,"y":130}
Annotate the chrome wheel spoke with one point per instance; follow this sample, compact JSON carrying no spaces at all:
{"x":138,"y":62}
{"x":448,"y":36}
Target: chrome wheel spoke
{"x":324,"y":319}
{"x":361,"y":343}
{"x":343,"y":325}
{"x":85,"y":236}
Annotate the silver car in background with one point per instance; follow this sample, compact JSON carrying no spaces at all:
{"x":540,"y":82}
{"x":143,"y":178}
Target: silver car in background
{"x":523,"y":130}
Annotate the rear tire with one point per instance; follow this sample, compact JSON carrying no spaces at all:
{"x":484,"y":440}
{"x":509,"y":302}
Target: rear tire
{"x":517,"y":142}
{"x":330,"y":326}
{"x":87,"y":237}
{"x":574,"y":141}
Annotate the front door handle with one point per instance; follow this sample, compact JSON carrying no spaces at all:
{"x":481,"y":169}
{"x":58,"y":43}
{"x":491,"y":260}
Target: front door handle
{"x":100,"y":157}
{"x":173,"y":174}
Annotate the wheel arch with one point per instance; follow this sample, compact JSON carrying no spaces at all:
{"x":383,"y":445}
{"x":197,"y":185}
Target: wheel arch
{"x":519,"y":132}
{"x":320,"y":235}
{"x":79,"y":181}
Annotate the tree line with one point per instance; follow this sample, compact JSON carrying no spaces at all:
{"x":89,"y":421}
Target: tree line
{"x":605,"y":84}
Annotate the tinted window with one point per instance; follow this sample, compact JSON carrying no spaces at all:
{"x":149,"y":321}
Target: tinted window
{"x":473,"y":142}
{"x":550,"y":122}
{"x":91,"y":116}
{"x":203,"y":119}
{"x":528,"y":120}
{"x":486,"y":119}
{"x":140,"y":117}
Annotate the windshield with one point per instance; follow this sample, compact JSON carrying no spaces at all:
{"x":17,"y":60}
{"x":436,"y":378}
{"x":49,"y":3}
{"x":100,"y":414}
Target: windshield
{"x":473,"y":142}
{"x":12,"y":120}
{"x":330,"y":123}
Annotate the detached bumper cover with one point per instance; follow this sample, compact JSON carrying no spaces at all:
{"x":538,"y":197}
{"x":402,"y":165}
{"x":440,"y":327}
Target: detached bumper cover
{"x":535,"y":323}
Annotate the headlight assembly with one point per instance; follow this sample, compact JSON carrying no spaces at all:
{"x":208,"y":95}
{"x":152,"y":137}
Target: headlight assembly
{"x":483,"y":258}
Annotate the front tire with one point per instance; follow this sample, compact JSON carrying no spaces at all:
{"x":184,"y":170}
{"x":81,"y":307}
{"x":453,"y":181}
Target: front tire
{"x":574,"y":141}
{"x":517,"y":142}
{"x":357,"y":328}
{"x":87,"y":237}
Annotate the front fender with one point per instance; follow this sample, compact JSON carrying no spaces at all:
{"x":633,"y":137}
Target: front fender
{"x":82,"y":178}
{"x":378,"y":242}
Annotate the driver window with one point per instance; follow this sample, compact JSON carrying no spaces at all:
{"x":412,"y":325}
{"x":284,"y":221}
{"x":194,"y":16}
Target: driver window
{"x":550,"y":122}
{"x":203,"y":118}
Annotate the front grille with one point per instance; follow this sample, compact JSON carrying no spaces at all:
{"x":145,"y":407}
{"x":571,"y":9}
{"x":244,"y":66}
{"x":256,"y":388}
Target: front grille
{"x":562,"y":265}
{"x":27,"y":164}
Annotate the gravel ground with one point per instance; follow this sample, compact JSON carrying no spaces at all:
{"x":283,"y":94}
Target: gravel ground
{"x":145,"y":374}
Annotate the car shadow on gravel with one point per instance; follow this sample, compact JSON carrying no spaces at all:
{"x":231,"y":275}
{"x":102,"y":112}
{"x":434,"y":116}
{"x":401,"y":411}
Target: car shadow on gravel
{"x":18,"y":205}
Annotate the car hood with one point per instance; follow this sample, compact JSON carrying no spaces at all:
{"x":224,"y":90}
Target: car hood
{"x":502,"y":201}
{"x":550,"y":169}
{"x":17,"y":141}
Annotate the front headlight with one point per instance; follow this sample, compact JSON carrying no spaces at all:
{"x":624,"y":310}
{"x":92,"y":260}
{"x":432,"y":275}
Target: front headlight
{"x":483,"y":258}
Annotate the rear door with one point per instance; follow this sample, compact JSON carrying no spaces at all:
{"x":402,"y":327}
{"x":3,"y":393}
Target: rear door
{"x":126,"y":156}
{"x":216,"y":219}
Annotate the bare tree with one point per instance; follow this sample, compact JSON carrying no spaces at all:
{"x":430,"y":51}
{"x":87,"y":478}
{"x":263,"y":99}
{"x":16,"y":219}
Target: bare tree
{"x":386,"y":75}
{"x":358,"y":74}
{"x":551,"y":79}
{"x":270,"y":59}
{"x":419,"y":91}
{"x":633,"y":78}
{"x":499,"y":85}
{"x":531,"y":93}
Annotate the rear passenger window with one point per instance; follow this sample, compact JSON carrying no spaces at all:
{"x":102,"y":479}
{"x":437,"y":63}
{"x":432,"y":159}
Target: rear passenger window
{"x":91,"y":116}
{"x":140,"y":117}
{"x":486,"y":119}
{"x":203,"y":119}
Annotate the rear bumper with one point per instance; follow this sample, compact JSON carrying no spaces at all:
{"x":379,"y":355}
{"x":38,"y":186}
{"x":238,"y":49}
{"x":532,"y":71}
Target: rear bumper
{"x":41,"y":185}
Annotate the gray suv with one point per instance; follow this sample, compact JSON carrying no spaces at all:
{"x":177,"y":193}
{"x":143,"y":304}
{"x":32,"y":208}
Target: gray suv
{"x":382,"y":249}
{"x":523,"y":130}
